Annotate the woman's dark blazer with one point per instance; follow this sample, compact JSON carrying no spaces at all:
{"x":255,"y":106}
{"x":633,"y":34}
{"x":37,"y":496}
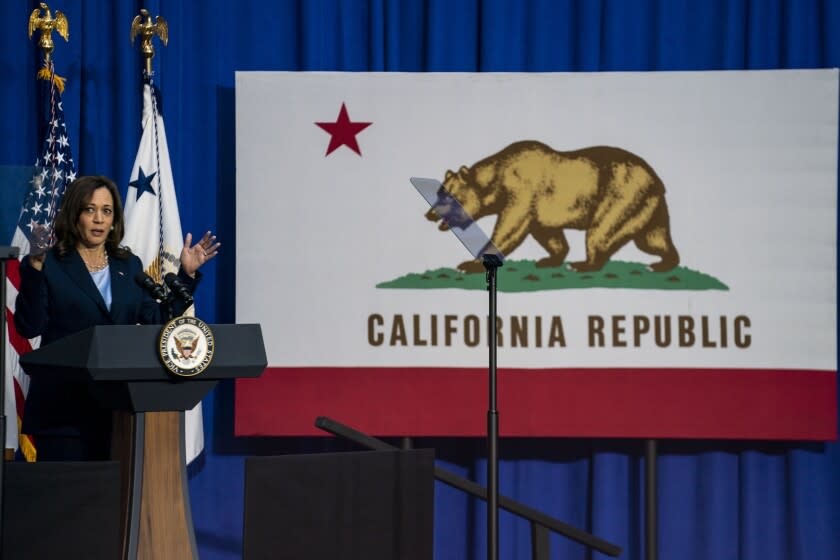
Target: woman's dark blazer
{"x":62,"y":299}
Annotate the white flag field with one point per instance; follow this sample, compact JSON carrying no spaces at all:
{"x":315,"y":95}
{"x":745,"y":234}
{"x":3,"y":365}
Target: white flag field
{"x":670,"y":243}
{"x":153,"y":225}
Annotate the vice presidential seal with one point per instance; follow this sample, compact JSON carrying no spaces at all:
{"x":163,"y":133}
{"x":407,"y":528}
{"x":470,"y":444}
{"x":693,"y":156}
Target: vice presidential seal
{"x":186,"y":346}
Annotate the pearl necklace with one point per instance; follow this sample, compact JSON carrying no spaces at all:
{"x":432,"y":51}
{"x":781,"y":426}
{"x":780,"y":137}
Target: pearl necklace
{"x":93,"y":267}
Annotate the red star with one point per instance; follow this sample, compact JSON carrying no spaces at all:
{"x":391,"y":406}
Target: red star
{"x":343,"y":132}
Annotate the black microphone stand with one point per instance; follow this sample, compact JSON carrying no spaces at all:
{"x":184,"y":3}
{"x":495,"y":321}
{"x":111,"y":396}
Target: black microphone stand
{"x":166,"y":307}
{"x":492,"y":263}
{"x":177,"y":288}
{"x":6,"y":254}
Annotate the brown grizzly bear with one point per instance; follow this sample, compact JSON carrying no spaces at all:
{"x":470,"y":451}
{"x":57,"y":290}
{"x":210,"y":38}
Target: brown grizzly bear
{"x":612,"y":194}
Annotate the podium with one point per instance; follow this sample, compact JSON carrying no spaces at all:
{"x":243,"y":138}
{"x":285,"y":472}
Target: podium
{"x":122,"y":365}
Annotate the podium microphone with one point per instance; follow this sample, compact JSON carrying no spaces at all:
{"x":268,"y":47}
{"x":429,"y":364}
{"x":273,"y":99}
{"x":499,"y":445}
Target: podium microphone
{"x":147,"y":283}
{"x":178,"y":288}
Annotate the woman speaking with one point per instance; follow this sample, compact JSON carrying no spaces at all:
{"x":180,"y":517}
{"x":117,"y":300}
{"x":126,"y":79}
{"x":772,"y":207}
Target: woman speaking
{"x":85,"y":279}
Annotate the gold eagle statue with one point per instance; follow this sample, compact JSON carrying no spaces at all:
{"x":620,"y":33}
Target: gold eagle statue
{"x":46,"y":24}
{"x":142,"y":25}
{"x":146,"y":29}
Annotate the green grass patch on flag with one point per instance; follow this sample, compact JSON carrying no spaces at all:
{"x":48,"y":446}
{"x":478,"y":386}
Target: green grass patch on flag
{"x":524,"y":276}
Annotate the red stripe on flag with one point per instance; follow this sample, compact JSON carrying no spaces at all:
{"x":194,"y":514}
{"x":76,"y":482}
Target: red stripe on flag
{"x":19,"y":399}
{"x":13,"y":272}
{"x":637,"y":403}
{"x":20,"y":344}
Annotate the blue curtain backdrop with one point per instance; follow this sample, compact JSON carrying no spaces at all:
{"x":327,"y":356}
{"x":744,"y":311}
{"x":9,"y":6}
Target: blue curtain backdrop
{"x":718,"y":500}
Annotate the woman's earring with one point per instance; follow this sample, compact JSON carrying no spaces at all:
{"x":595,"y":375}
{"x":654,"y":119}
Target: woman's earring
{"x":112,"y":228}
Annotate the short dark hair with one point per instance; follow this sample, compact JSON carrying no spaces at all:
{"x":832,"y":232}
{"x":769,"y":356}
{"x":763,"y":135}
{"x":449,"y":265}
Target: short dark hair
{"x":76,"y":198}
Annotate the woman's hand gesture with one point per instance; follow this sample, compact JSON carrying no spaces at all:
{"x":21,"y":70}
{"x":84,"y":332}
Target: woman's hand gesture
{"x":193,"y":257}
{"x":39,"y":244}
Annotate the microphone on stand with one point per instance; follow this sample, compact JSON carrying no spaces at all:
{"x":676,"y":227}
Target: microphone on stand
{"x":178,"y":288}
{"x":147,"y":283}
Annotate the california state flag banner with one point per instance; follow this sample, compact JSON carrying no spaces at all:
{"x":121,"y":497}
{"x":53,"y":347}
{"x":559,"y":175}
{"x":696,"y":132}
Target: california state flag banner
{"x":670,"y":243}
{"x":153,"y":225}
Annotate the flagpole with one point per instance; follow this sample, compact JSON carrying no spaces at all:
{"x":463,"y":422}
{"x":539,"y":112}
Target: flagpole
{"x":40,"y":20}
{"x":153,"y":231}
{"x":6,"y":254}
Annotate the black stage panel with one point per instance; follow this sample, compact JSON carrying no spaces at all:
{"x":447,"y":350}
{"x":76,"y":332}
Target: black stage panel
{"x":61,"y":510}
{"x":368,"y":505}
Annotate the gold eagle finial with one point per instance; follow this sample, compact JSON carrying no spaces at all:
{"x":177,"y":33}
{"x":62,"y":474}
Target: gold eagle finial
{"x":142,"y":25}
{"x":46,"y":24}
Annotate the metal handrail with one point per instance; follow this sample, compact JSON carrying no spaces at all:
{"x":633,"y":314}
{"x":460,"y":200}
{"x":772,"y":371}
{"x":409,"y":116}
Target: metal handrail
{"x":540,"y":522}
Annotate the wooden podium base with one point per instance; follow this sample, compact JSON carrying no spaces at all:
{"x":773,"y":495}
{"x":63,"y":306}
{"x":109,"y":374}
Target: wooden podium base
{"x":156,"y":515}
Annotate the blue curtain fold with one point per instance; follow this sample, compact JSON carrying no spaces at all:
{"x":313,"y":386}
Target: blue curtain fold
{"x":717,"y":500}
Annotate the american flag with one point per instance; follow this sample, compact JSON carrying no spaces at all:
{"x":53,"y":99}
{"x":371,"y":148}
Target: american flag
{"x":54,"y":170}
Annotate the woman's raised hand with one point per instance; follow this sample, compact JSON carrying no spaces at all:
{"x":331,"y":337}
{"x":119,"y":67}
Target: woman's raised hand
{"x":194,"y":256}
